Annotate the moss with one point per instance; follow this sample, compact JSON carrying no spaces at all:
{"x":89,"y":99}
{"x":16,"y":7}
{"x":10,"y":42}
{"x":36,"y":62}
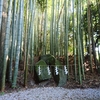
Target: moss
{"x":49,"y":59}
{"x":43,"y":69}
{"x":46,"y":60}
{"x":61,"y":78}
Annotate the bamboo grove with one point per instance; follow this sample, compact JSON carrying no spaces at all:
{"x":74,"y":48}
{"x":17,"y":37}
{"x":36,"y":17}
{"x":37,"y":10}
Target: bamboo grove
{"x":39,"y":27}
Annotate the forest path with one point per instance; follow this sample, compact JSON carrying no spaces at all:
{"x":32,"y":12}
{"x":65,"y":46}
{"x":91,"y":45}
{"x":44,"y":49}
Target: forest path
{"x":53,"y":93}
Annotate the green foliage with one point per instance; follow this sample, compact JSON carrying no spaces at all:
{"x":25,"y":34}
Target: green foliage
{"x":94,"y":17}
{"x":42,"y":4}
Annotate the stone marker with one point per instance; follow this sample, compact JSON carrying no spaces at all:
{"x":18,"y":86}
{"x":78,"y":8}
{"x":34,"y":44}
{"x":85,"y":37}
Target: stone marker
{"x":56,"y":70}
{"x":60,"y":78}
{"x":42,"y":71}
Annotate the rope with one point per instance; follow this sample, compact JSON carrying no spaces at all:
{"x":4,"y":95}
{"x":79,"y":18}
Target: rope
{"x":57,"y":69}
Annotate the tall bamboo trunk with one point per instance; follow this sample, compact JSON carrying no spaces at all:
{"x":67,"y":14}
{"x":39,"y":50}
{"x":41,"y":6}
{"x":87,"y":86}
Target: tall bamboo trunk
{"x":52,"y":29}
{"x":6,"y":46}
{"x":89,"y":34}
{"x":25,"y":44}
{"x":1,"y":8}
{"x":14,"y":82}
{"x":13,"y":40}
{"x":3,"y":19}
{"x":66,"y":7}
{"x":45,"y":31}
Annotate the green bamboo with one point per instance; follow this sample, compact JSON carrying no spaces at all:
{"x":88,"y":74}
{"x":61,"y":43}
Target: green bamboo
{"x":81,"y":40}
{"x":54,"y":29}
{"x":41,"y":32}
{"x":89,"y":33}
{"x":37,"y":34}
{"x":45,"y":31}
{"x":13,"y":40}
{"x":22,"y":36}
{"x":78,"y":44}
{"x":14,"y":82}
{"x":26,"y":43}
{"x":74,"y":40}
{"x":98,"y":9}
{"x":58,"y":29}
{"x":61,"y":19}
{"x":16,"y":34}
{"x":93,"y":42}
{"x":1,"y":8}
{"x":98,"y":24}
{"x":6,"y":46}
{"x":61,"y":40}
{"x":51,"y":29}
{"x":32,"y":39}
{"x":66,"y":33}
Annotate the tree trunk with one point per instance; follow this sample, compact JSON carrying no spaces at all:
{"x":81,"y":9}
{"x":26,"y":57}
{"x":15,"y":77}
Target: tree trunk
{"x":2,"y":35}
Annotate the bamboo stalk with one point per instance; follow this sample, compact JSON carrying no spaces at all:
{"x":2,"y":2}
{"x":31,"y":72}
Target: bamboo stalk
{"x":66,"y":34}
{"x":45,"y":31}
{"x":51,"y":29}
{"x":6,"y":46}
{"x":14,"y":82}
{"x":89,"y":34}
{"x":78,"y":37}
{"x":1,"y":8}
{"x":13,"y":40}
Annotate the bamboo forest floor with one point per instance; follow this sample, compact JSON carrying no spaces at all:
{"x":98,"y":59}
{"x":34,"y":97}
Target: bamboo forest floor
{"x":92,"y":80}
{"x":47,"y":90}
